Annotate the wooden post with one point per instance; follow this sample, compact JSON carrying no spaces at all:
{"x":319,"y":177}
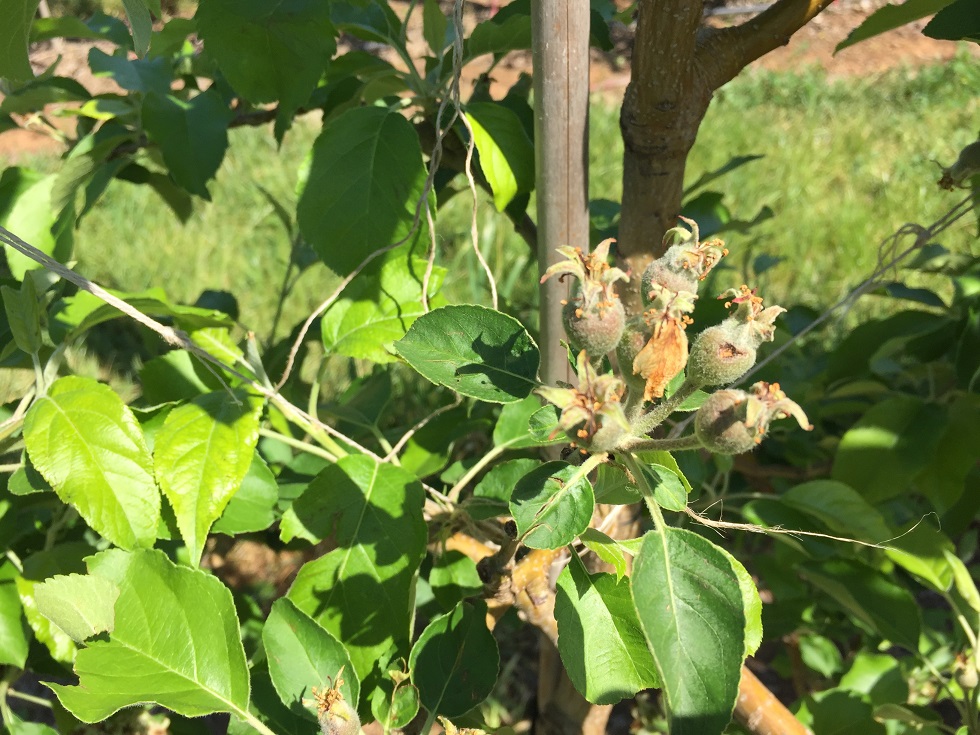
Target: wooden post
{"x":560,"y":40}
{"x":561,"y":133}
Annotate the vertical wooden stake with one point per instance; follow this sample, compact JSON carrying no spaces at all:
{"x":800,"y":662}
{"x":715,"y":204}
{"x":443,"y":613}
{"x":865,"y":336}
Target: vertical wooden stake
{"x":561,"y":132}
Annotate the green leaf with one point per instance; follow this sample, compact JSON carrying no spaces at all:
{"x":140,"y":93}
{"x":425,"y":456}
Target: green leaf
{"x":895,"y":439}
{"x":25,"y":210}
{"x":362,"y":591}
{"x":27,"y":480}
{"x":365,"y":183}
{"x":17,"y":726}
{"x":751,"y":604}
{"x":252,"y":506}
{"x":201,"y":456}
{"x":552,"y":505}
{"x":840,"y":508}
{"x":174,"y":376}
{"x":508,"y":30}
{"x":889,"y":17}
{"x":506,"y":152}
{"x":958,"y":21}
{"x":668,"y":490}
{"x":17,"y":15}
{"x":136,"y":75}
{"x":492,"y":494}
{"x":65,"y":558}
{"x":599,"y":636}
{"x":607,"y":549}
{"x":141,"y":23}
{"x":454,"y":663}
{"x":917,"y":715}
{"x":301,"y":655}
{"x":23,"y":315}
{"x":89,"y":447}
{"x":944,"y":480}
{"x":965,"y":585}
{"x":473,"y":350}
{"x":82,"y":606}
{"x":77,"y":314}
{"x":690,"y":605}
{"x":377,"y":308}
{"x":512,"y":429}
{"x":192,"y":135}
{"x":613,"y":486}
{"x":869,"y":597}
{"x":454,"y":577}
{"x":395,"y":704}
{"x":14,"y":634}
{"x":922,"y":551}
{"x":434,"y":25}
{"x":269,"y":51}
{"x":159,"y":604}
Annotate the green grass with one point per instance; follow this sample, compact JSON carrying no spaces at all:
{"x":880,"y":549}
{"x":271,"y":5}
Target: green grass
{"x":846,"y":163}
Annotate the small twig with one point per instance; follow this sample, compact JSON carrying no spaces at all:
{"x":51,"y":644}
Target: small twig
{"x":400,"y":444}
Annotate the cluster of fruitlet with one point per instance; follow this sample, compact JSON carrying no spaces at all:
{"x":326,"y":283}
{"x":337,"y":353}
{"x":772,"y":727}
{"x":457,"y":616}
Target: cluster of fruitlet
{"x":652,"y":350}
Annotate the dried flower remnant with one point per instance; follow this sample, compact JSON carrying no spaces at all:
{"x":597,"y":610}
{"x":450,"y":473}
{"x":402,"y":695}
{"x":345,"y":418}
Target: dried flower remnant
{"x":451,"y":729}
{"x":725,"y":352}
{"x":594,"y":318}
{"x":685,"y":262}
{"x":735,"y":421}
{"x":665,"y":354}
{"x":335,"y":714}
{"x":591,"y":413}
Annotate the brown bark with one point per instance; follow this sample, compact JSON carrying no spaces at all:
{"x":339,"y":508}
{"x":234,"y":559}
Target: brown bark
{"x":676,"y":68}
{"x":759,"y":710}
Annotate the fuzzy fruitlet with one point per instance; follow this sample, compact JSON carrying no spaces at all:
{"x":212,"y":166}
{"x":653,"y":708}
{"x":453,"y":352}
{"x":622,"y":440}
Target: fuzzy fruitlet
{"x":723,"y":353}
{"x":720,"y":428}
{"x":595,"y":328}
{"x":735,"y":421}
{"x":334,"y":713}
{"x":718,"y":356}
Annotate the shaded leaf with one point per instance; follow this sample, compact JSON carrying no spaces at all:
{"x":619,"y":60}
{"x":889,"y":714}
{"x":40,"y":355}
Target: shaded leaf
{"x":960,"y":20}
{"x":870,"y":598}
{"x":302,"y":655}
{"x":552,"y":505}
{"x":377,"y":308}
{"x":192,"y":135}
{"x":365,"y":182}
{"x":891,"y":16}
{"x":599,"y":636}
{"x":454,"y":663}
{"x":473,"y":350}
{"x":690,"y":605}
{"x":14,"y":634}
{"x":362,"y":591}
{"x":17,"y":15}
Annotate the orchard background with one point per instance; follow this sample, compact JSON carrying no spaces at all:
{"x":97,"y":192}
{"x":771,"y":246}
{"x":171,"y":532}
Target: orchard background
{"x":316,"y":393}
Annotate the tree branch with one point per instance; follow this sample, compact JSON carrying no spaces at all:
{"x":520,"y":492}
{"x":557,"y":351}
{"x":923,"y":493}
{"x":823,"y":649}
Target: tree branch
{"x":723,"y":53}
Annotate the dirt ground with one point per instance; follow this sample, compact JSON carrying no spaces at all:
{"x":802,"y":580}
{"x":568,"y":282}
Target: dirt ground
{"x":812,"y":45}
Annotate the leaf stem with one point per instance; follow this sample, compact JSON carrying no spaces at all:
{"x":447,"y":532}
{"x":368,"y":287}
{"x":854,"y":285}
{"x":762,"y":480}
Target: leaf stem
{"x":29,"y":698}
{"x":486,"y":459}
{"x":298,"y":444}
{"x":254,"y":722}
{"x":669,"y":445}
{"x":661,"y":411}
{"x":659,"y":524}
